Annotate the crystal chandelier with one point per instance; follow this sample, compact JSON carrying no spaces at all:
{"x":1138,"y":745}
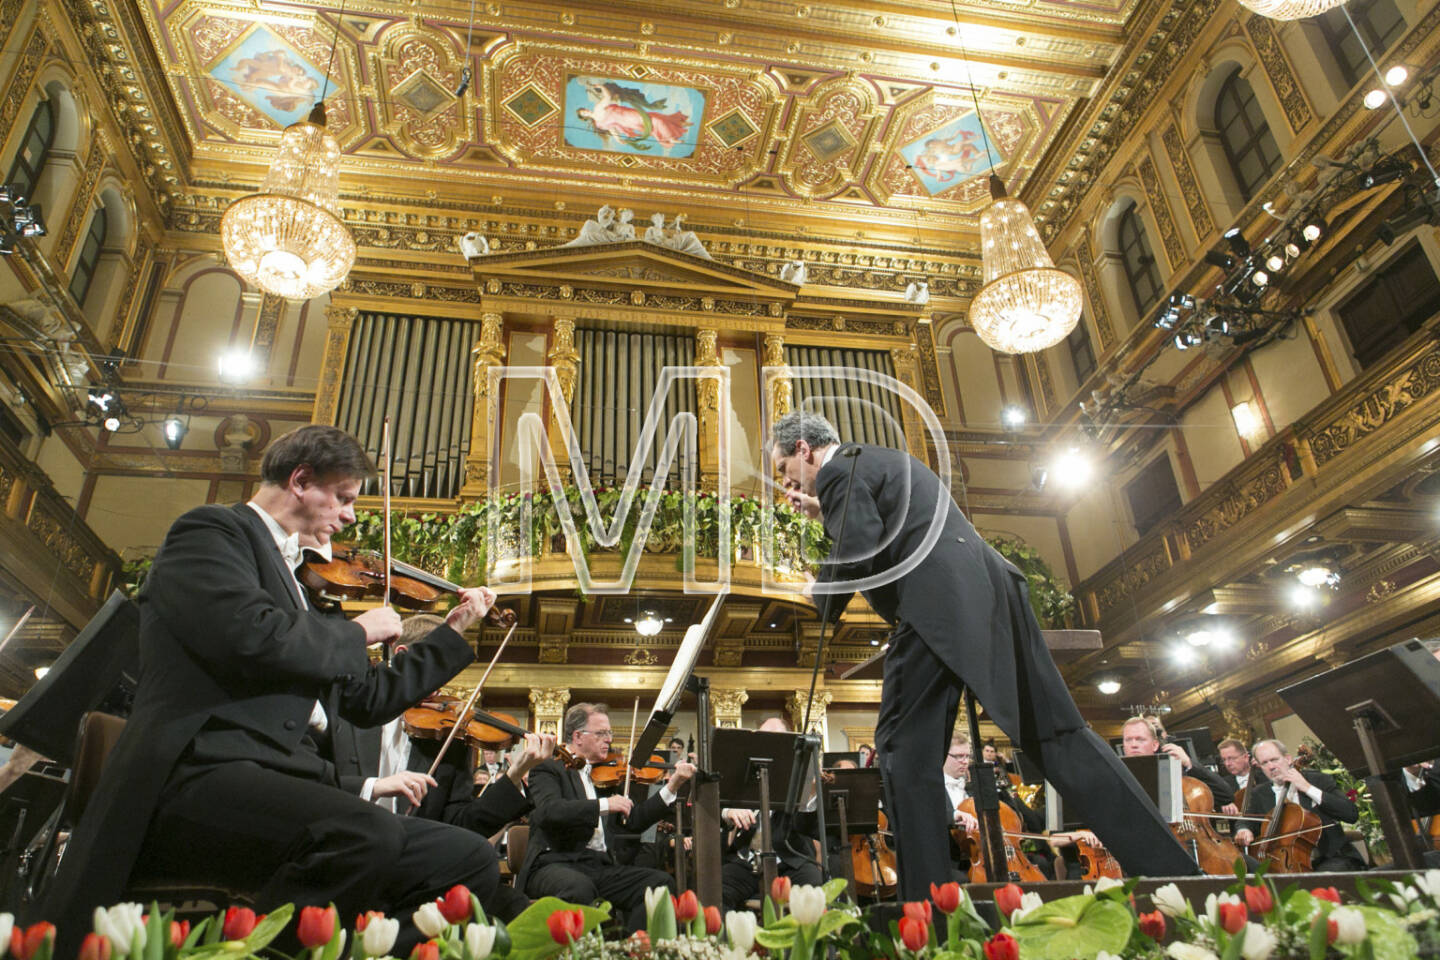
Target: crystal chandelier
{"x":287,"y":239}
{"x":1026,"y":304}
{"x":1290,"y":9}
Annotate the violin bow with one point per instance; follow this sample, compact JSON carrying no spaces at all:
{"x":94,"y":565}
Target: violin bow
{"x":464,"y":713}
{"x":630,"y":750}
{"x":385,"y":500}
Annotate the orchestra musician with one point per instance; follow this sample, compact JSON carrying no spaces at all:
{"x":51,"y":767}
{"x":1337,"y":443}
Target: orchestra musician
{"x":1240,"y":772}
{"x":1142,"y":737}
{"x":574,"y":832}
{"x":240,"y":679}
{"x":794,"y":840}
{"x":961,"y":618}
{"x":1314,"y":790}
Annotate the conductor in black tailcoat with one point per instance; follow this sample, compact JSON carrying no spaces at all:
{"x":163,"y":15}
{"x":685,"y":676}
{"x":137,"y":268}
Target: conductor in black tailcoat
{"x":224,"y":773}
{"x":961,"y":617}
{"x":574,"y":832}
{"x":1314,"y":790}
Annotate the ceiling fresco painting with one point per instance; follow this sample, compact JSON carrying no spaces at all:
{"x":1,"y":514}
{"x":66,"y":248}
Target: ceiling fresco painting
{"x":696,"y":104}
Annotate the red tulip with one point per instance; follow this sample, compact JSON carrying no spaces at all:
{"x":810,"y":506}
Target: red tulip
{"x":1258,"y":899}
{"x":24,"y":945}
{"x":780,"y":890}
{"x":239,"y":921}
{"x":1326,"y":893}
{"x":1332,"y":930}
{"x":1007,"y":898}
{"x":713,"y":922}
{"x":1002,"y":946}
{"x":455,"y":907}
{"x":429,"y":950}
{"x":95,"y":947}
{"x":566,"y":925}
{"x":179,"y":930}
{"x":914,"y":933}
{"x":1152,"y":924}
{"x":363,"y":920}
{"x":687,"y":907}
{"x":946,"y":896}
{"x":919,"y":909}
{"x":1233,"y":917}
{"x":316,"y":926}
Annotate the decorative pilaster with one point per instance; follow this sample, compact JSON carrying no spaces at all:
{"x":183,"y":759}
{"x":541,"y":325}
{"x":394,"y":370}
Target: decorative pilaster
{"x":782,"y":388}
{"x":905,"y":372}
{"x":566,"y":360}
{"x":725,"y":704}
{"x":707,"y":398}
{"x":339,"y":319}
{"x":818,"y":705}
{"x":547,"y":708}
{"x":489,"y":351}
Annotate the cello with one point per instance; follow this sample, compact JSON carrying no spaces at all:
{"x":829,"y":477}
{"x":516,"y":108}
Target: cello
{"x":1289,"y":837}
{"x":1215,"y":854}
{"x":1017,"y":866}
{"x":873,"y":862}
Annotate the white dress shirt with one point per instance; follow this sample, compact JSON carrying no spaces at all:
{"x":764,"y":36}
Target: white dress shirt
{"x":1241,"y":779}
{"x":597,"y":839}
{"x":394,"y":757}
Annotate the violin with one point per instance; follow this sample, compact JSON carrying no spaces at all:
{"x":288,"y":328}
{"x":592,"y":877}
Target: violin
{"x":873,"y":862}
{"x":1214,"y":854}
{"x":1017,"y":866}
{"x":435,"y":716}
{"x":611,"y":771}
{"x":497,"y":728}
{"x":354,"y":574}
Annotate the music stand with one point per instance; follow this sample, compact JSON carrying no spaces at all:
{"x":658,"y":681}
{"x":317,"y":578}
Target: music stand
{"x":853,"y":797}
{"x":47,"y":717}
{"x":1029,"y":772}
{"x":1379,"y":739}
{"x":829,"y":759}
{"x":25,"y":810}
{"x":1199,"y":741}
{"x":753,"y":769}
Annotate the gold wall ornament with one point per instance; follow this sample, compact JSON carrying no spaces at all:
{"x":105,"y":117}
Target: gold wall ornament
{"x":782,"y":387}
{"x":725,"y":704}
{"x":547,"y":708}
{"x":288,"y":239}
{"x":818,"y":705}
{"x":1026,"y":304}
{"x":1290,"y":9}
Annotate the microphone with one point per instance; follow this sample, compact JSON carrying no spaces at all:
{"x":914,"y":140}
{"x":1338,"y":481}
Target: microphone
{"x":849,"y":451}
{"x":464,"y":82}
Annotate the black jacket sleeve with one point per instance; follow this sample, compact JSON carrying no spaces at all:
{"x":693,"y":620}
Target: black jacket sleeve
{"x":501,"y":803}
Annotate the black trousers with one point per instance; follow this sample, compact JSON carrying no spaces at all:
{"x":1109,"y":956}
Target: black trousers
{"x":739,"y":883}
{"x":919,"y":702}
{"x":596,"y":877}
{"x":284,"y":839}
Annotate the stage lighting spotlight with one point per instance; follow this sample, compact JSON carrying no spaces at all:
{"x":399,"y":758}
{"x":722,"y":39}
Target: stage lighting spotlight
{"x":102,"y":399}
{"x":1219,"y":258}
{"x":1373,"y":177}
{"x":236,"y":366}
{"x":1293,"y":249}
{"x":1108,"y":686}
{"x":1396,"y":75}
{"x":1260,"y":278}
{"x":1013,"y":417}
{"x":1072,"y":467}
{"x":1314,"y":229}
{"x":1375,"y":99}
{"x":112,"y":423}
{"x":1186,"y":339}
{"x":1237,"y":242}
{"x":174,"y":430}
{"x":1275,"y":263}
{"x":1217,"y":326}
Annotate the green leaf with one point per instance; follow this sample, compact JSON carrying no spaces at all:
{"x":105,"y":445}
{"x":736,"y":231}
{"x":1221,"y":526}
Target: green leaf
{"x":502,"y":940}
{"x":768,"y":913}
{"x":832,"y":920}
{"x":779,"y":935}
{"x":1319,"y":937}
{"x":1388,"y":938}
{"x":834,"y":888}
{"x":157,"y":934}
{"x":331,"y":950}
{"x":196,"y":932}
{"x":1234,"y":945}
{"x":530,"y":932}
{"x":1079,"y":926}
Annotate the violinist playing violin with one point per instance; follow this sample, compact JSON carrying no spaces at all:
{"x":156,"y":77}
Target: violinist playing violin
{"x":222,"y":773}
{"x":573,"y":830}
{"x":1314,"y":790}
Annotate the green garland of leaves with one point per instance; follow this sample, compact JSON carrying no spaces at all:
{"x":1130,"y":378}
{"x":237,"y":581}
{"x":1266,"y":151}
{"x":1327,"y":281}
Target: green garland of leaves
{"x":1052,"y":603}
{"x":1315,"y":755}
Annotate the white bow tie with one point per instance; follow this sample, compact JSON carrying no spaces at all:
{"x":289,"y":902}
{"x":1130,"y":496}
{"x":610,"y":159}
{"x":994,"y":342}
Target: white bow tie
{"x":290,"y":550}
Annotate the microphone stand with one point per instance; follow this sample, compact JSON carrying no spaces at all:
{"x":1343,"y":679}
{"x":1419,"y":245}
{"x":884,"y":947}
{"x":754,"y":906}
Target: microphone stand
{"x":804,"y":744}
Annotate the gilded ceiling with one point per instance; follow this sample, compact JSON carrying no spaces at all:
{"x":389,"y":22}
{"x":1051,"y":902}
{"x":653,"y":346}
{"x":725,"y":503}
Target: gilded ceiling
{"x":834,"y":109}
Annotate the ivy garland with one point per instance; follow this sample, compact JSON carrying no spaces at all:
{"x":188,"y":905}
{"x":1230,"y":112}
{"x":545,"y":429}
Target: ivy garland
{"x":1052,"y":603}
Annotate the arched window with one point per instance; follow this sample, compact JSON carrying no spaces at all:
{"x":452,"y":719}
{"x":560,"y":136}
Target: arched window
{"x":1082,"y":354}
{"x":1379,"y":22}
{"x":39,"y":136}
{"x":84,"y":270}
{"x":1249,"y":146}
{"x":1139,"y":261}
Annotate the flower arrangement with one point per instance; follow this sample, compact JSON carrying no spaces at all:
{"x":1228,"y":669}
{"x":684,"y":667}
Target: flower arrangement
{"x":1253,"y":919}
{"x":1053,"y":604}
{"x":1315,"y":755}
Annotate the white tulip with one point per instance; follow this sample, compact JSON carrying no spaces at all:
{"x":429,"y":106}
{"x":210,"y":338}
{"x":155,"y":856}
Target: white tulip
{"x":1349,"y":925}
{"x":1428,"y":883}
{"x":654,"y":896}
{"x":1403,"y":897}
{"x":1106,"y":883}
{"x":379,"y":936}
{"x":1170,"y":901}
{"x":1029,"y":901}
{"x":7,"y":923}
{"x":1212,"y":905}
{"x":479,"y":941}
{"x":429,"y":920}
{"x":124,"y":925}
{"x":1259,"y":942}
{"x":807,"y":904}
{"x":1188,"y":951}
{"x":740,"y":925}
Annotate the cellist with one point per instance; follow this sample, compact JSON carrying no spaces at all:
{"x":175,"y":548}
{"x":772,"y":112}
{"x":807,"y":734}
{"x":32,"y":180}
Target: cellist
{"x":1313,"y":790}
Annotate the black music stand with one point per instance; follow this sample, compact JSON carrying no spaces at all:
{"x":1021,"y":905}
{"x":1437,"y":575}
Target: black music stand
{"x":754,"y":769}
{"x":1030,"y":774}
{"x":26,"y":809}
{"x":1374,"y":738}
{"x":47,"y":718}
{"x":829,"y":758}
{"x":853,"y":797}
